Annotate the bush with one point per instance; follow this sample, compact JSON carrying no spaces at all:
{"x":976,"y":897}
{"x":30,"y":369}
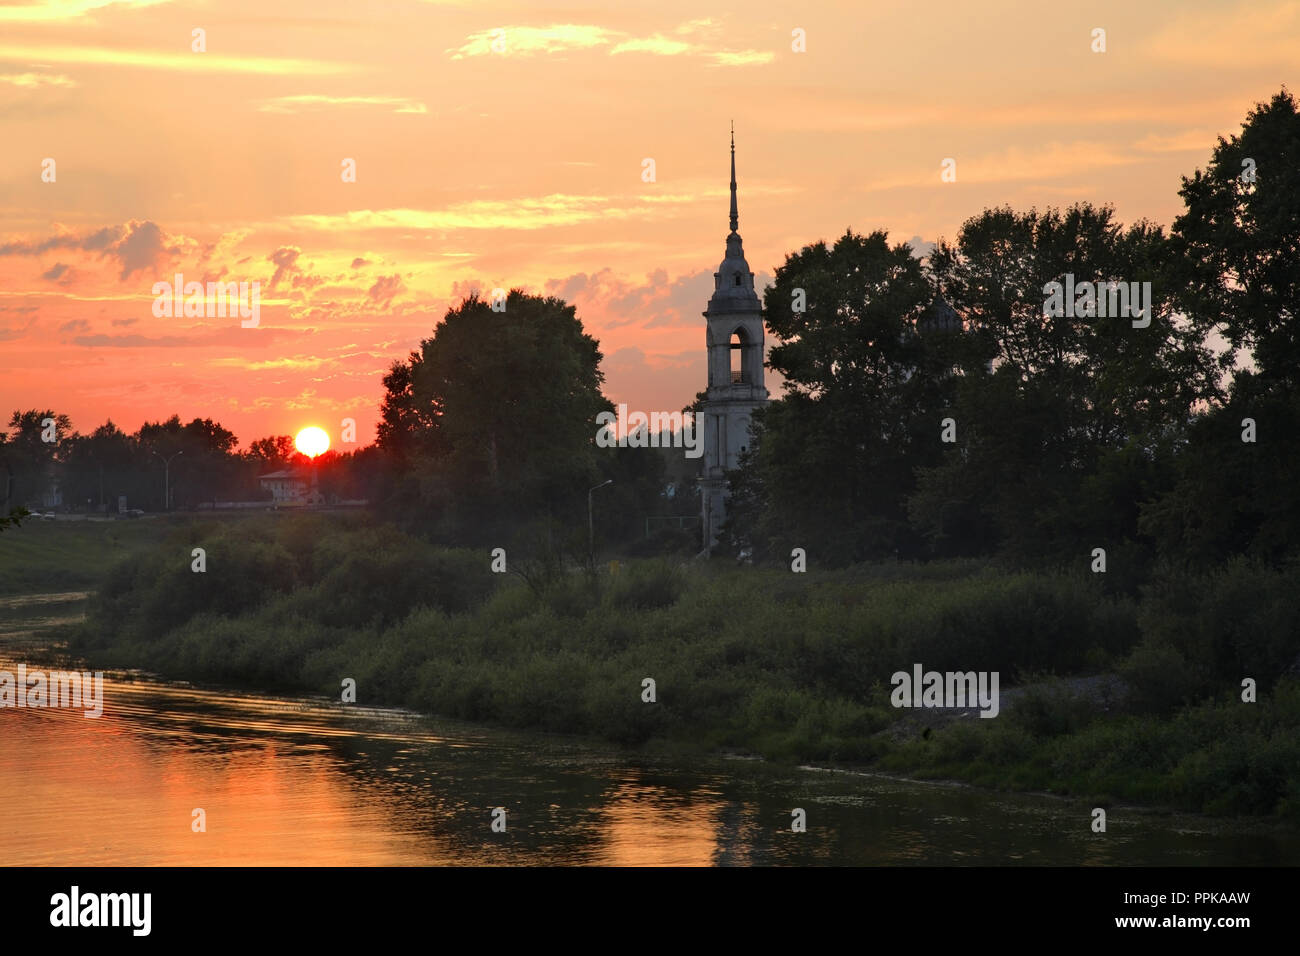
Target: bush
{"x":1050,"y":710}
{"x":1011,"y":623}
{"x":384,"y":578}
{"x":648,"y":585}
{"x":1159,"y":678}
{"x":680,"y":542}
{"x":1239,"y":620}
{"x":571,"y":596}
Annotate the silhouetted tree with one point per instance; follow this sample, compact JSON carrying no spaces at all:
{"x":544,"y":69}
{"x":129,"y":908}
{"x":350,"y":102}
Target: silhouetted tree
{"x":1059,"y":426}
{"x":1237,"y":262}
{"x":27,"y":460}
{"x":833,"y":461}
{"x":494,"y":416}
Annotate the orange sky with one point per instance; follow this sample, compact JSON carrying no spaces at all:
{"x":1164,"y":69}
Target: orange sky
{"x":523,"y":168}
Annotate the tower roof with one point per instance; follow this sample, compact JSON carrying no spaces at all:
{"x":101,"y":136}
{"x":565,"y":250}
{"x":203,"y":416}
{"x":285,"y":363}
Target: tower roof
{"x":733,"y":283}
{"x":735,"y":217}
{"x":940,"y":317}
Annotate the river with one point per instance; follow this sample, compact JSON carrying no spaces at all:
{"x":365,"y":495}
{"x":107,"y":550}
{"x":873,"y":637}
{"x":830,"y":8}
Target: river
{"x":305,"y":781}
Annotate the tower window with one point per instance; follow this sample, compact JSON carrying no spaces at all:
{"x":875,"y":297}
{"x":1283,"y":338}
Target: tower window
{"x":737,"y":356}
{"x":737,"y":278}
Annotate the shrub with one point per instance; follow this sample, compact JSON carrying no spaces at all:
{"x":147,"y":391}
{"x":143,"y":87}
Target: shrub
{"x":1050,"y":710}
{"x":647,"y":585}
{"x":1159,"y":678}
{"x":1239,"y":619}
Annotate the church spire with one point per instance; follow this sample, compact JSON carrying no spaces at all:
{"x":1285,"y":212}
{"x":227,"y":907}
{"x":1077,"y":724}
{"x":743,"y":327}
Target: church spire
{"x":733,"y":283}
{"x":735,"y":219}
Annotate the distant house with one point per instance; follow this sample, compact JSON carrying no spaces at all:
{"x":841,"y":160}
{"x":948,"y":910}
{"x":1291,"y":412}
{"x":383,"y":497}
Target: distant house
{"x":52,"y":496}
{"x":46,"y":490}
{"x":292,"y":486}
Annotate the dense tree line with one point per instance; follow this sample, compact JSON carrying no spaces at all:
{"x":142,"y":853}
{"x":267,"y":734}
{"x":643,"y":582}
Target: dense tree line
{"x":1065,"y":432}
{"x":40,"y":452}
{"x":487,"y":435}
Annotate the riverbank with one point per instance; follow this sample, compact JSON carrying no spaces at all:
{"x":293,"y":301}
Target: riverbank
{"x":305,"y":781}
{"x":792,"y":667}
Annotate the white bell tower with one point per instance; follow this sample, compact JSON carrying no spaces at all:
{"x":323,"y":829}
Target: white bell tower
{"x":734,"y":337}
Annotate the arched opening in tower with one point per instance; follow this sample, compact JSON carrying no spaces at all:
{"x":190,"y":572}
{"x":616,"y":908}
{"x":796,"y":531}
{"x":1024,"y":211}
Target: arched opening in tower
{"x":738,"y":356}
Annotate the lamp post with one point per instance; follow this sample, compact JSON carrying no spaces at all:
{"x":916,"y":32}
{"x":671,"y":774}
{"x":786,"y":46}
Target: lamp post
{"x":591,"y":522}
{"x":167,"y":479}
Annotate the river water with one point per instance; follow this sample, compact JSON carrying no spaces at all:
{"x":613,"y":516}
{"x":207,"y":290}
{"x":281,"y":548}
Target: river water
{"x":287,"y":781}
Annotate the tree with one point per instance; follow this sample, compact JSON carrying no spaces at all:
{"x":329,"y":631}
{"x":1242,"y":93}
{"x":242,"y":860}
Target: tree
{"x":1237,"y":245}
{"x":272,"y":451}
{"x":495,"y":415}
{"x":1237,"y":254}
{"x":201,"y":455}
{"x":99,"y":467}
{"x":1060,"y":416}
{"x":832,"y":460}
{"x":15,"y":513}
{"x":409,"y":425}
{"x":28,"y":459}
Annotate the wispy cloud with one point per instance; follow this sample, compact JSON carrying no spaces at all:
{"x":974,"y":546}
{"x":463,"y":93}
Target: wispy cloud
{"x":532,"y":40}
{"x":157,"y":60}
{"x":288,"y":362}
{"x":742,"y":57}
{"x":202,"y":338}
{"x":561,"y":38}
{"x":531,"y":212}
{"x":313,"y":102}
{"x":695,"y":26}
{"x":556,"y":209}
{"x":657,"y":44}
{"x":43,"y":10}
{"x":31,"y":81}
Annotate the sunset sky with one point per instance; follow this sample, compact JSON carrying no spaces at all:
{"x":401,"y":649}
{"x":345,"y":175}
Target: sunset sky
{"x":523,"y":168}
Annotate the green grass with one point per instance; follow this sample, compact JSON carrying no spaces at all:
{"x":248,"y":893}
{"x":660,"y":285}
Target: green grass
{"x":42,"y":557}
{"x":1217,"y":756}
{"x":54,"y":556}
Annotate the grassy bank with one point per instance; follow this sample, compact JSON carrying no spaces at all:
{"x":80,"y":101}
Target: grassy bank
{"x":71,"y":555}
{"x":791,"y":666}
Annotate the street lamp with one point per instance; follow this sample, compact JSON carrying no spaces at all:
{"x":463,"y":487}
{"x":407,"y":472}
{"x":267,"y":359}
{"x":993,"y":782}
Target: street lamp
{"x":591,"y":522}
{"x":167,"y":479}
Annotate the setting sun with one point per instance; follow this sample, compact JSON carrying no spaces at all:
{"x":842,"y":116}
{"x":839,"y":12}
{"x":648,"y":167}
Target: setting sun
{"x":312,"y":441}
